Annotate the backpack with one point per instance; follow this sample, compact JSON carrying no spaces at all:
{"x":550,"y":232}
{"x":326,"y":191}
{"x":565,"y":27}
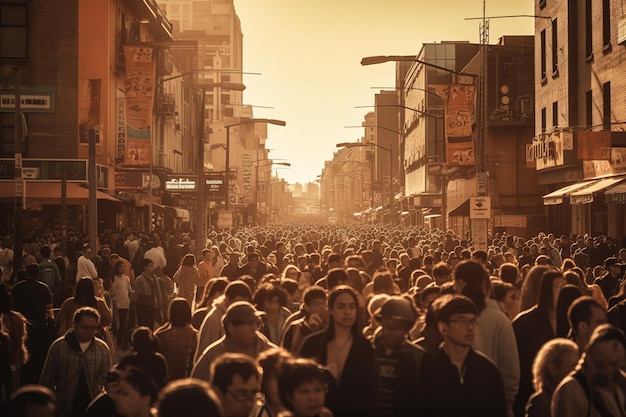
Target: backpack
{"x":48,"y":276}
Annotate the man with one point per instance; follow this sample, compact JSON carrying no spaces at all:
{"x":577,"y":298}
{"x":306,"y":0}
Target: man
{"x":584,"y":315}
{"x":212,"y":328}
{"x":237,"y":380}
{"x":33,"y":299}
{"x":457,"y":380}
{"x":553,"y":252}
{"x":254,"y":267}
{"x":241,"y":325}
{"x":232,"y":267}
{"x":104,"y":268}
{"x":597,"y":387}
{"x":157,"y":256}
{"x":49,"y":271}
{"x":280,"y":250}
{"x":398,"y":361}
{"x":311,"y":317}
{"x":205,"y":272}
{"x":147,"y":296}
{"x":77,"y":364}
{"x":85,"y":268}
{"x":610,"y":282}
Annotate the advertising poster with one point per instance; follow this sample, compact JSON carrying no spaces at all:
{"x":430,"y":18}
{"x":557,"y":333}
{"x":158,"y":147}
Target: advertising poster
{"x":459,"y":105}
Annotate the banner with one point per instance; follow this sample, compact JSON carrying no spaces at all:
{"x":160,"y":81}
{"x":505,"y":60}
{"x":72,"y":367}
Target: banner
{"x":140,"y":79}
{"x":88,"y":109}
{"x":459,"y":105}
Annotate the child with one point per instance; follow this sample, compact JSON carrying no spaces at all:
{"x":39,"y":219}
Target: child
{"x":302,"y":388}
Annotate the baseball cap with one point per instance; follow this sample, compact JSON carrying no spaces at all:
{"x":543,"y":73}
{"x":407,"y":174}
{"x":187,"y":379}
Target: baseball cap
{"x":241,"y":312}
{"x":611,"y":261}
{"x":457,"y":304}
{"x":396,"y":308}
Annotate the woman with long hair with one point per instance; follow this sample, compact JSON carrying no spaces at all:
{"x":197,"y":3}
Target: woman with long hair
{"x":121,"y":293}
{"x":186,"y":277}
{"x":214,"y":288}
{"x":178,"y":339}
{"x":348,"y":355}
{"x":145,"y":355}
{"x":568,"y":294}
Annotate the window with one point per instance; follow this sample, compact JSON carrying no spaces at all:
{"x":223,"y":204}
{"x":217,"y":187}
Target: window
{"x":7,"y":133}
{"x":589,"y":108}
{"x":588,"y":30}
{"x":543,"y":54}
{"x":13,"y":31}
{"x":543,"y":120}
{"x":606,"y":22}
{"x":555,"y":49}
{"x":606,"y":105}
{"x":555,"y":114}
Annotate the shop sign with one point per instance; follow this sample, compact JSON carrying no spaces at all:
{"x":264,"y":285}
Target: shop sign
{"x":46,"y":169}
{"x":180,"y":184}
{"x":32,"y":99}
{"x":480,"y":207}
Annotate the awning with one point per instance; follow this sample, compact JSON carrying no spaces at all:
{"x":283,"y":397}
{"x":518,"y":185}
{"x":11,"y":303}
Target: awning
{"x":616,"y":194}
{"x":556,"y":197}
{"x":462,"y":210}
{"x":585,"y":195}
{"x":49,"y":193}
{"x":179,"y":213}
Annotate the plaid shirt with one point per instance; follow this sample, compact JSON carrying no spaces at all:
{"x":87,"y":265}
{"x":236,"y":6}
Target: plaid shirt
{"x":63,"y":364}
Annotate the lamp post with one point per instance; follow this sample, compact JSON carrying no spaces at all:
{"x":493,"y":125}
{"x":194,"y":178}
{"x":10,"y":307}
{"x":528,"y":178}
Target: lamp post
{"x":382,"y":188}
{"x":242,"y":121}
{"x":256,"y":186}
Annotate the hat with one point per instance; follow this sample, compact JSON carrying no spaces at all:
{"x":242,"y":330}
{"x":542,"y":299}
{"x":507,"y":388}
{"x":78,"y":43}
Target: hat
{"x":396,"y":308}
{"x":606,"y":332}
{"x":611,"y":261}
{"x":241,"y":312}
{"x":458,"y":304}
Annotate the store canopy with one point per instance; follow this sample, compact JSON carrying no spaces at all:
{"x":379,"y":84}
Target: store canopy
{"x":585,"y":195}
{"x":556,"y":197}
{"x":49,"y":193}
{"x":462,"y":210}
{"x":616,"y":194}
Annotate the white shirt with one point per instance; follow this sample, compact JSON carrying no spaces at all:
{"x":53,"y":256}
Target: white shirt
{"x":85,"y":268}
{"x":156,"y":256}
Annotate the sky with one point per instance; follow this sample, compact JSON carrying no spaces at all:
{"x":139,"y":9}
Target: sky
{"x":308,"y":55}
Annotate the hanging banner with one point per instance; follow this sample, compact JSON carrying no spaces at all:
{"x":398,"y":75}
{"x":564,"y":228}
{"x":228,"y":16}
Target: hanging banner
{"x":459,"y":106}
{"x":88,"y":109}
{"x":140,"y":79}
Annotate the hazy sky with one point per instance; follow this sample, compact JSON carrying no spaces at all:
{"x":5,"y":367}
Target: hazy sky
{"x":309,"y":53}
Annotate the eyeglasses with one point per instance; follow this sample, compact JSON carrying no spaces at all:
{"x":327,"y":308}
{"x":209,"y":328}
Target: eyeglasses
{"x":242,"y":395}
{"x":465,"y":322}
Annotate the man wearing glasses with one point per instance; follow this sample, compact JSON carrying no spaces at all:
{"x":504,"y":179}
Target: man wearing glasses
{"x":458,"y":380}
{"x":242,"y":322}
{"x":236,"y":379}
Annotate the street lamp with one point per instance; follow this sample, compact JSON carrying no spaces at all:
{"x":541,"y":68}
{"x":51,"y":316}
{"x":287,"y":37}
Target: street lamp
{"x":380,"y":59}
{"x":242,"y":121}
{"x":382,"y":188}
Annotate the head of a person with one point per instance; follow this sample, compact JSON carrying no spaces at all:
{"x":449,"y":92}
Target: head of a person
{"x":343,"y":307}
{"x":270,"y":298}
{"x":509,"y":272}
{"x":613,"y":265}
{"x":605,"y":355}
{"x":271,"y":362}
{"x":237,"y":291}
{"x":355,"y":261}
{"x":236,"y":379}
{"x":442,"y":272}
{"x":85,"y":323}
{"x":143,"y":341}
{"x":336,"y":277}
{"x":472,"y":280}
{"x":190,"y":398}
{"x":335,"y":261}
{"x":302,"y":387}
{"x":87,"y":251}
{"x":119,"y":268}
{"x":135,"y":392}
{"x":241,"y":322}
{"x":148,"y":266}
{"x":505,"y":293}
{"x":207,"y":254}
{"x":45,"y":251}
{"x":551,"y":283}
{"x":314,"y":299}
{"x":188,"y":260}
{"x":179,"y":312}
{"x":553,"y":362}
{"x":457,"y":320}
{"x":253,"y":259}
{"x":584,"y":315}
{"x":396,"y":317}
{"x":84,"y":293}
{"x":32,"y":271}
{"x":291,"y":271}
{"x":32,"y":401}
{"x":383,"y":283}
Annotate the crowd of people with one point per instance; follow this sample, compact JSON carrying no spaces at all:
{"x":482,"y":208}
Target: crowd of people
{"x":313,"y":320}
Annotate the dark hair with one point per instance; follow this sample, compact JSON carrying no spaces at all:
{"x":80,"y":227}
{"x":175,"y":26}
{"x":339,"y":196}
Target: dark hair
{"x":476,"y":279}
{"x":568,"y":294}
{"x":500,"y":288}
{"x":84,"y":294}
{"x":214,"y":286}
{"x":382,"y":282}
{"x":190,"y":398}
{"x":238,"y":288}
{"x":145,"y":262}
{"x":332,"y":297}
{"x":141,"y":381}
{"x":267,"y":292}
{"x":289,"y":285}
{"x":313,"y":292}
{"x":509,"y":272}
{"x":580,"y":311}
{"x":546,"y":296}
{"x":86,"y":312}
{"x":45,"y":251}
{"x":179,"y":312}
{"x":227,"y":365}
{"x":333,"y":258}
{"x":336,"y":276}
{"x":116,"y":268}
{"x":271,"y":361}
{"x":295,"y":372}
{"x":143,"y":340}
{"x":188,"y":260}
{"x":29,"y":395}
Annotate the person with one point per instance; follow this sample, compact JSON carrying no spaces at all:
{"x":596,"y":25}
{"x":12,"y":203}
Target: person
{"x":241,"y":326}
{"x":431,"y":338}
{"x":458,"y":380}
{"x":31,"y":400}
{"x":32,"y":298}
{"x":568,"y":294}
{"x":610,"y":281}
{"x":398,"y":361}
{"x":272,"y":300}
{"x":136,"y":392}
{"x":302,"y":387}
{"x":157,"y":255}
{"x":121,"y":292}
{"x":186,"y":277}
{"x":178,"y":339}
{"x":315,"y":317}
{"x":144,"y":354}
{"x":212,"y":329}
{"x":214,"y":289}
{"x":205,"y":273}
{"x":77,"y":364}
{"x":348,"y":355}
{"x":147,"y":295}
{"x":231,"y":269}
{"x":553,"y":362}
{"x":598,"y":386}
{"x":84,"y":265}
{"x":190,"y":398}
{"x":534,"y":327}
{"x":584,"y":315}
{"x":254,"y":267}
{"x":48,"y":271}
{"x":271,"y":362}
{"x":14,"y":324}
{"x":84,"y":296}
{"x":236,"y":379}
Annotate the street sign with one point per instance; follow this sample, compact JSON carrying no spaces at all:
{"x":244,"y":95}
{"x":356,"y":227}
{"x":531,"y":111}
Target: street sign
{"x":480,"y":207}
{"x":480,"y":234}
{"x":481,"y":182}
{"x":43,"y":169}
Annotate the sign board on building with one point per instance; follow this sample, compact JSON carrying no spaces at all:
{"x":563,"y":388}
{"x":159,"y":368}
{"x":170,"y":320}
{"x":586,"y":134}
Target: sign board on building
{"x":481,"y":182}
{"x":225,"y":219}
{"x":480,"y":234}
{"x":32,"y":100}
{"x":480,"y":207}
{"x":180,"y":184}
{"x":45,"y":169}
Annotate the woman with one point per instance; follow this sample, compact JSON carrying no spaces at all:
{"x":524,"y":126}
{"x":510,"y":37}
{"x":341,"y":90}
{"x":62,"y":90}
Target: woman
{"x":507,"y":296}
{"x":348,"y":355}
{"x":217,"y":261}
{"x":271,"y":361}
{"x":554,"y":361}
{"x":178,"y":339}
{"x":121,"y":293}
{"x":135,"y":393}
{"x":213,"y":290}
{"x":272,"y":299}
{"x":302,"y":387}
{"x":144,"y":355}
{"x":186,"y":277}
{"x":14,"y":324}
{"x":568,"y":294}
{"x":84,"y":295}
